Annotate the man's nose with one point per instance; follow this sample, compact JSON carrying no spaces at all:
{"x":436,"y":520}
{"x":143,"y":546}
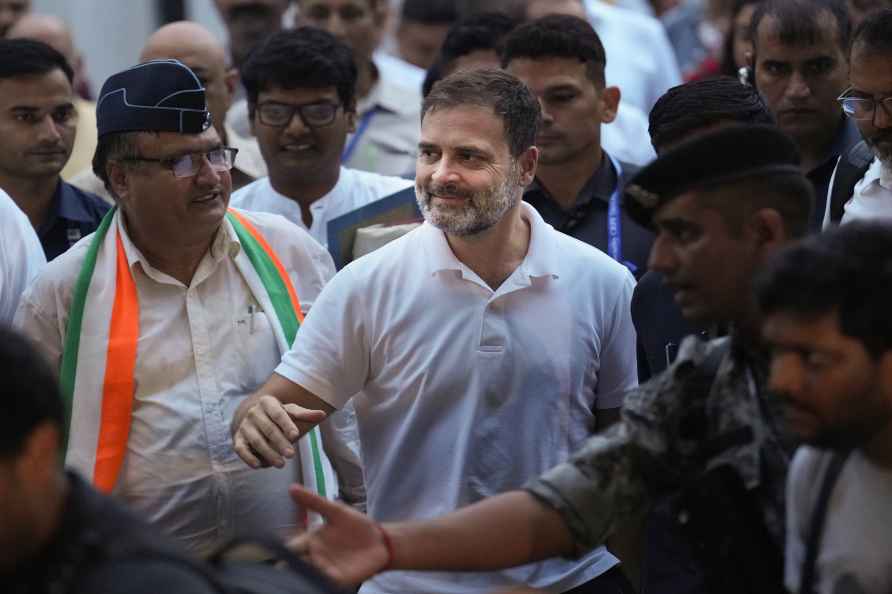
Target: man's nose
{"x":798,"y":87}
{"x":787,"y":376}
{"x":662,"y":257}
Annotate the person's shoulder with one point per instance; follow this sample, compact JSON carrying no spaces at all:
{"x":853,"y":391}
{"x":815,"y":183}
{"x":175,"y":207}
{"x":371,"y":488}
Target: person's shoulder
{"x":60,"y":274}
{"x":581,"y":260}
{"x":93,"y":204}
{"x":247,"y":196}
{"x":278,"y":230}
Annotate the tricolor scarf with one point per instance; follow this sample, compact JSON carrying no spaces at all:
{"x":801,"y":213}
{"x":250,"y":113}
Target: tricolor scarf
{"x":99,"y":356}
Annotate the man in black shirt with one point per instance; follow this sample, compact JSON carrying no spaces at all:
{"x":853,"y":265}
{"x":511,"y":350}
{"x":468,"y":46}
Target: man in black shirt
{"x":38,"y":122}
{"x":578,"y":186}
{"x":57,"y":533}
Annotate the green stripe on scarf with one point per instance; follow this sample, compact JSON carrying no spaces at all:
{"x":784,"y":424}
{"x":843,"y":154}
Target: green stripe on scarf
{"x":68,"y":371}
{"x":278,"y":294}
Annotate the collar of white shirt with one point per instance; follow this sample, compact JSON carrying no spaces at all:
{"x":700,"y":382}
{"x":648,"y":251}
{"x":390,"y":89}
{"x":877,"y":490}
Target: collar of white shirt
{"x":225,"y":243}
{"x":540,"y":261}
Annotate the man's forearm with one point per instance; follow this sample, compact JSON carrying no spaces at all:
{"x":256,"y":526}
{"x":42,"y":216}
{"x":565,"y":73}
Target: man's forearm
{"x":503,"y":531}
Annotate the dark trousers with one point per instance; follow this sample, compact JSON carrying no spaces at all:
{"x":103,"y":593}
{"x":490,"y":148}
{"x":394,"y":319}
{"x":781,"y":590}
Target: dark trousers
{"x":612,"y":581}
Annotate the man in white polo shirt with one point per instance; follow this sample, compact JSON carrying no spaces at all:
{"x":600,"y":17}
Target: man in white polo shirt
{"x":302,"y":102}
{"x":479,"y":349}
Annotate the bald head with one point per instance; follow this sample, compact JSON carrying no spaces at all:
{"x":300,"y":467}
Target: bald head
{"x":50,"y":30}
{"x":197,"y":48}
{"x":536,"y":9}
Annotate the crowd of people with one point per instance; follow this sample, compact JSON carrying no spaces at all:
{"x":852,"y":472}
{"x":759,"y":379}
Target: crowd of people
{"x":451,"y":297}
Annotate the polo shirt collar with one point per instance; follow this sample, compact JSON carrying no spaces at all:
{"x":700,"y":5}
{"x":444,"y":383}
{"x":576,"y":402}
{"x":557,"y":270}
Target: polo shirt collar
{"x":540,"y":261}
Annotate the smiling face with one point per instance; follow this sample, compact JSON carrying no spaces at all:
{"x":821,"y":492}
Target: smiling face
{"x":801,"y":82}
{"x":155,"y":202}
{"x":835,"y":394}
{"x":871,"y":77}
{"x":37,"y":124}
{"x":466,"y":179}
{"x":297,"y":149}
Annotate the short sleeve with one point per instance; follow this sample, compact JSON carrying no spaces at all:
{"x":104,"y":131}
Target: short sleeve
{"x":330,"y":356}
{"x":619,"y":356}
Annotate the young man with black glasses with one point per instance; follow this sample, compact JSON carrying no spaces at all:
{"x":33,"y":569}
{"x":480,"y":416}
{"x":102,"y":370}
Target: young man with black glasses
{"x":301,"y":87}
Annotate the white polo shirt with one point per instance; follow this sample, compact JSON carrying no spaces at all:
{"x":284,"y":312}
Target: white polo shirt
{"x":21,"y":256}
{"x":353,"y":190}
{"x":462,"y":392}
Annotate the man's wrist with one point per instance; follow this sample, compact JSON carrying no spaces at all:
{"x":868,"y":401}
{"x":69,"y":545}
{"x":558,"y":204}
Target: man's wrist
{"x":388,"y":544}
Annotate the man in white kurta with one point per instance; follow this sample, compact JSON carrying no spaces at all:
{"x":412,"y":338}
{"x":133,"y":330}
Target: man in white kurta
{"x":205,"y":339}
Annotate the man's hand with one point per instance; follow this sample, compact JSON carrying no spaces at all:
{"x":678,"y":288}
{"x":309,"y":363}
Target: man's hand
{"x":350,"y":547}
{"x":266,"y":431}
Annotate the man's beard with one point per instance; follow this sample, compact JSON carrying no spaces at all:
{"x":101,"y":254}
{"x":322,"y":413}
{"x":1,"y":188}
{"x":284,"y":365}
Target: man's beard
{"x":481,"y":210}
{"x":881,"y":145}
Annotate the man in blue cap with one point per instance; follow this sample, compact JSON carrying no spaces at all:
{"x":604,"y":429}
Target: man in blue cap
{"x":161,"y":322}
{"x":705,"y":430}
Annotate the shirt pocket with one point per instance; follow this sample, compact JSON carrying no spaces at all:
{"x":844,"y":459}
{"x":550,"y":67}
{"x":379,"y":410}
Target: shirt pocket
{"x":256,"y":350}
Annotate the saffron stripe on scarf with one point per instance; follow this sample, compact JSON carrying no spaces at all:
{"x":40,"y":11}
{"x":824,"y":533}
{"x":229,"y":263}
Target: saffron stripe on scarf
{"x":279,"y":272}
{"x":118,"y":387}
{"x":68,"y":369}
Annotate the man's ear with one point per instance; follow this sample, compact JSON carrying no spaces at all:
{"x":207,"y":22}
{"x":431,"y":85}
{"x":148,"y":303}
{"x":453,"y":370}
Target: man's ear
{"x":230,"y":79}
{"x":117,"y":178}
{"x":350,"y":114}
{"x":610,"y":97}
{"x":769,"y":230}
{"x":528,"y":162}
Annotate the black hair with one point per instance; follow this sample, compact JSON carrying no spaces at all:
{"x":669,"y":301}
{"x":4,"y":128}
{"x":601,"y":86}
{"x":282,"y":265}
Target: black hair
{"x":700,"y":105}
{"x":792,"y":195}
{"x":558,"y":36}
{"x":429,"y":12}
{"x":874,"y":34}
{"x":728,"y":66}
{"x":516,"y":9}
{"x":485,"y":31}
{"x":508,"y":97}
{"x":27,"y":57}
{"x":799,"y":21}
{"x":300,"y":58}
{"x":30,"y":395}
{"x":113,"y":147}
{"x":847,"y":270}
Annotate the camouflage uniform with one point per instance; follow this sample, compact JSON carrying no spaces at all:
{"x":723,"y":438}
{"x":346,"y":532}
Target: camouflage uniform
{"x":660,"y":444}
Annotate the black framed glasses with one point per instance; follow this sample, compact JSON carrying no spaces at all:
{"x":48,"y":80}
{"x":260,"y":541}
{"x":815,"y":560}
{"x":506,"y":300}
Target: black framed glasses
{"x":863,"y":108}
{"x":313,"y":115}
{"x":220,"y":159}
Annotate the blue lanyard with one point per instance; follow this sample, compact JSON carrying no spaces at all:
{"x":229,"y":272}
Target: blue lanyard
{"x":615,"y":221}
{"x":364,"y":122}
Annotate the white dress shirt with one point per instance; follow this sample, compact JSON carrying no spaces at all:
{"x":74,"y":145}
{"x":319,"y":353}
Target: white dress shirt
{"x":353,"y":190}
{"x":872,"y":197}
{"x":202,"y":349}
{"x":462,"y":392}
{"x":21,"y":256}
{"x":640,"y":59}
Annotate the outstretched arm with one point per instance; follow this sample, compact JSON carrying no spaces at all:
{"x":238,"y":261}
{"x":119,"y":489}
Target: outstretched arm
{"x":503,"y":531}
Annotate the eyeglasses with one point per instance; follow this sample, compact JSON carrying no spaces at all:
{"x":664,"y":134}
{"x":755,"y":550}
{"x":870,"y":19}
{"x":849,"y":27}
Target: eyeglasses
{"x":863,"y":108}
{"x":313,"y":115}
{"x":220,"y":159}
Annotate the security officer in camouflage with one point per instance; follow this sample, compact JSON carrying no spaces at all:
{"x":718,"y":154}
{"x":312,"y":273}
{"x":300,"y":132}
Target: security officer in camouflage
{"x":705,"y":432}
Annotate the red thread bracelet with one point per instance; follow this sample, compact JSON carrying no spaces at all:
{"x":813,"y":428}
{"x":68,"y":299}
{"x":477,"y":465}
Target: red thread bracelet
{"x":388,"y":544}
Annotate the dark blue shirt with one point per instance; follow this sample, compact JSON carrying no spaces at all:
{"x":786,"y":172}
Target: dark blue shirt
{"x":73,"y":214}
{"x":587,"y":220}
{"x":847,"y":136}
